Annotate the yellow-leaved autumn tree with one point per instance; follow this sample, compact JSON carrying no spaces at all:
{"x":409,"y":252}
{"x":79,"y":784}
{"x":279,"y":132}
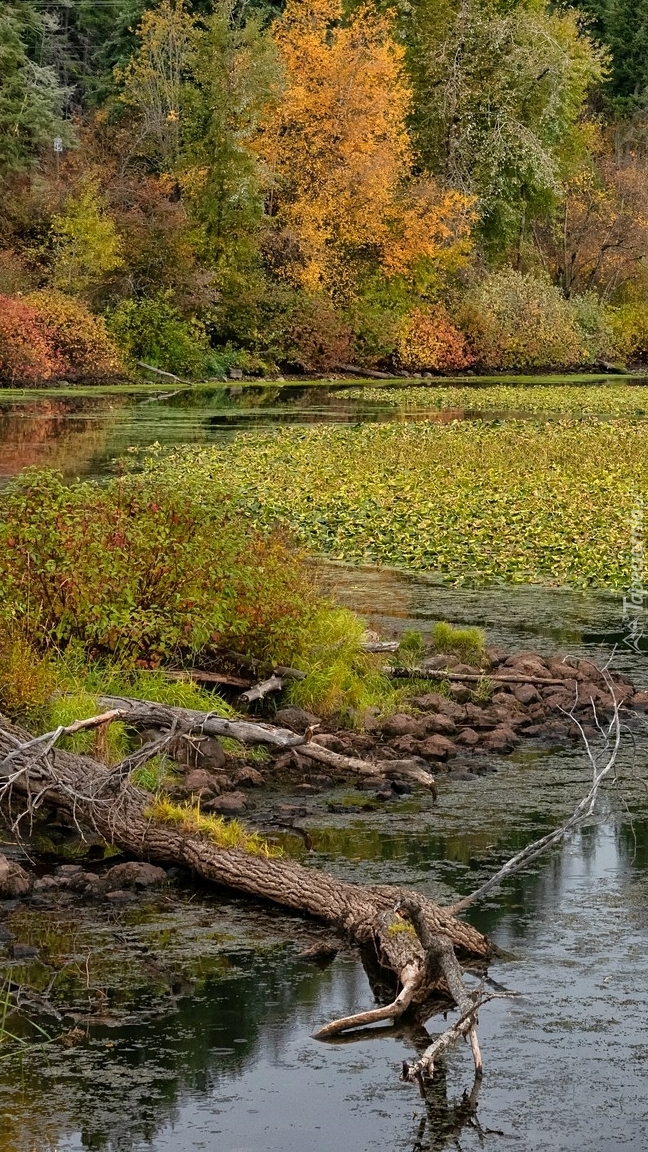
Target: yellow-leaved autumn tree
{"x":339,"y":154}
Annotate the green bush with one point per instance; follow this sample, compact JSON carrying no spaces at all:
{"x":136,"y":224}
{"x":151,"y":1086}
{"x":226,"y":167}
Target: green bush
{"x":154,"y":331}
{"x":517,"y":321}
{"x":629,"y":323}
{"x":595,"y":326}
{"x":142,"y":571}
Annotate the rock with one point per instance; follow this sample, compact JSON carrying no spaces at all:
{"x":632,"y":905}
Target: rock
{"x":14,"y":880}
{"x":559,"y":700}
{"x":119,"y":896}
{"x":640,"y":701}
{"x":460,"y":693}
{"x":24,"y":952}
{"x":297,"y":719}
{"x":441,"y":725}
{"x":44,"y":884}
{"x":468,"y":738}
{"x":456,"y":712}
{"x":405,"y":746}
{"x":479,"y":718}
{"x":401,"y":725}
{"x":200,"y":752}
{"x":496,"y":656}
{"x":442,"y":661}
{"x":428,"y":703}
{"x":526,"y":694}
{"x":232,"y":804}
{"x":465,"y":670}
{"x":248,"y":777}
{"x":133,"y":874}
{"x":529,"y":662}
{"x":199,"y":782}
{"x":437,"y":748}
{"x":500,"y":740}
{"x":330,"y":740}
{"x":322,"y":952}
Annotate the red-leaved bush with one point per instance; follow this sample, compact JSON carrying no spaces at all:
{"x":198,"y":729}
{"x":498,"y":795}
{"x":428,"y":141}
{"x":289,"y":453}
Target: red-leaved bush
{"x":48,"y":334}
{"x":27,"y":354}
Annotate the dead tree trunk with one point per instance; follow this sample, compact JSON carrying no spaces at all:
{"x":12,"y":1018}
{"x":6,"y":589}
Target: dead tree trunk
{"x":89,"y":794}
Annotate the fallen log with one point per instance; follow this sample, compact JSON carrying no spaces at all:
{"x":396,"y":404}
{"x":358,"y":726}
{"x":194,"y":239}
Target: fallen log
{"x":424,"y":673}
{"x":199,"y":677}
{"x":87,"y":794}
{"x":392,"y":769}
{"x":145,"y":713}
{"x":263,"y":689}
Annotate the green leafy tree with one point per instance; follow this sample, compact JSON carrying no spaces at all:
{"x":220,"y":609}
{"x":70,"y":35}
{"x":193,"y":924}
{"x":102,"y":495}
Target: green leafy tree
{"x":235,"y":76}
{"x":86,"y":243}
{"x":500,"y":89}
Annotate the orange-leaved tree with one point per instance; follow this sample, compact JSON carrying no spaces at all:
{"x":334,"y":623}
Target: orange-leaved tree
{"x":339,"y":153}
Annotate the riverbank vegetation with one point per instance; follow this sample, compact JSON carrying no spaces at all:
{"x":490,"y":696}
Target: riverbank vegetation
{"x":522,"y":501}
{"x":103,"y":588}
{"x":581,"y":399}
{"x":296,"y":186}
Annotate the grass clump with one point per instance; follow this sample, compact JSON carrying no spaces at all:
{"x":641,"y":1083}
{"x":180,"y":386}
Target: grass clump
{"x":467,"y":643}
{"x":27,"y":678}
{"x":340,"y":677}
{"x":108,"y":743}
{"x":228,"y":834}
{"x":158,"y":773}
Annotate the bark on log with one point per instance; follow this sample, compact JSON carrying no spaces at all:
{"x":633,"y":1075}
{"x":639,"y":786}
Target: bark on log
{"x":86,"y":792}
{"x":263,"y":689}
{"x":144,"y":713}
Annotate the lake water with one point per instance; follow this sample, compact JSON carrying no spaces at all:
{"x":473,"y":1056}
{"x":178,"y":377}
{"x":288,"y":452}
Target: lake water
{"x":201,"y":1037}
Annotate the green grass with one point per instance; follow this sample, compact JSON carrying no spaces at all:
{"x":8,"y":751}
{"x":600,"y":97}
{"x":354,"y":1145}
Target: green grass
{"x":603,"y":398}
{"x":228,"y":834}
{"x":521,"y":501}
{"x":468,"y":643}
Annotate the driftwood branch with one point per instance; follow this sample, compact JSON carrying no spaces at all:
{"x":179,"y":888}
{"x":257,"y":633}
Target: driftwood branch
{"x":160,"y":372}
{"x":392,"y":769}
{"x":263,"y":689}
{"x":583,"y":811}
{"x":424,"y":673}
{"x":143,"y":713}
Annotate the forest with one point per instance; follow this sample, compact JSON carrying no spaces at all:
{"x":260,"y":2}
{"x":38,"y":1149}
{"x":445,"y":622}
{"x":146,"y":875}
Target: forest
{"x":433,"y":186}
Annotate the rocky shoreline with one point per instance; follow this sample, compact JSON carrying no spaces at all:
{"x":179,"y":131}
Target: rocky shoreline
{"x":455,"y":734}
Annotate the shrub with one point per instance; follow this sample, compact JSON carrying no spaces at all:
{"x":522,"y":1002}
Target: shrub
{"x":629,"y":324}
{"x":430,"y":341}
{"x":27,"y":679}
{"x":594,"y":324}
{"x":154,"y":331}
{"x":80,"y":340}
{"x":27,"y":353}
{"x":141,"y":571}
{"x":317,"y":338}
{"x":517,"y":321}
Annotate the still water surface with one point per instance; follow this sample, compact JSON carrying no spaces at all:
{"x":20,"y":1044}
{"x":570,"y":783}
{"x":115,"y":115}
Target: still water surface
{"x":209,"y":1045}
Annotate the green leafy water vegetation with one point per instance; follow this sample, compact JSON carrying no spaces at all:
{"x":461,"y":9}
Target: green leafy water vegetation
{"x":607,"y":398}
{"x":519,"y":501}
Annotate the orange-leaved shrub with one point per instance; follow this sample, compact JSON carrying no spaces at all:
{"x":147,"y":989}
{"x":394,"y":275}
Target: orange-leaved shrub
{"x":429,"y":340}
{"x":80,"y":340}
{"x":27,"y":353}
{"x":521,"y":321}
